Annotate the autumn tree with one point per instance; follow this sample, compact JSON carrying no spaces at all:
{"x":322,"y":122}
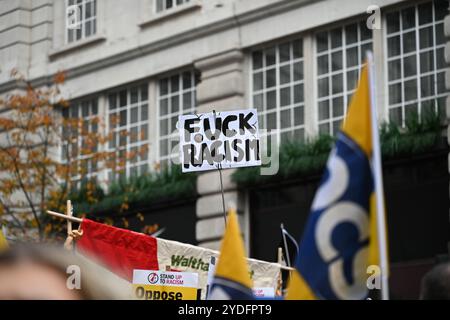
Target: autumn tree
{"x":46,"y":152}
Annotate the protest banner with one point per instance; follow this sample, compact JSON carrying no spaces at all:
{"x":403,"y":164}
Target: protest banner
{"x":219,"y":140}
{"x":160,"y":285}
{"x":188,"y":258}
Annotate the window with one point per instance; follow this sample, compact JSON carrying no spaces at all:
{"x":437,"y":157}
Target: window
{"x":128,"y":114}
{"x":176,"y":97}
{"x":162,"y":5}
{"x":80,"y":122}
{"x":340,"y":53}
{"x":83,"y":19}
{"x":278,"y":88}
{"x":415,"y":60}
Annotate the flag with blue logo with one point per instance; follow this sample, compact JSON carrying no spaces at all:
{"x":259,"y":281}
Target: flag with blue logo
{"x":232,"y":278}
{"x":341,"y":236}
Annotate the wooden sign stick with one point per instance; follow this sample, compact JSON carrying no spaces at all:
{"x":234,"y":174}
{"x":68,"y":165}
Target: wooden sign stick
{"x":63,"y":216}
{"x":69,"y":213}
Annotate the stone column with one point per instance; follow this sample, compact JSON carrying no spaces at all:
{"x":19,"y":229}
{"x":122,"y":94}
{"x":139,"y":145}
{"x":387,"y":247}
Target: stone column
{"x":222,"y":88}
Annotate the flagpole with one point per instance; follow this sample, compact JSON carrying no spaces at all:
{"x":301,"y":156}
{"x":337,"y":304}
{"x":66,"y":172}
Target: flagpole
{"x":378,"y":177}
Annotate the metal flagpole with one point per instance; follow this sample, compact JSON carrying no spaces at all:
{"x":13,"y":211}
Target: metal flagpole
{"x":286,"y":249}
{"x":378,"y":175}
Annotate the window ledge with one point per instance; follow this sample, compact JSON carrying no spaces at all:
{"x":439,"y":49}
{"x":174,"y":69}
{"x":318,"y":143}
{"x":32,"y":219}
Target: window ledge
{"x":170,"y":13}
{"x":54,"y":53}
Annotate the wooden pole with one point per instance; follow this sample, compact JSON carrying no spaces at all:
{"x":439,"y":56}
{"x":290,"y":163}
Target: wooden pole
{"x":63,"y":216}
{"x":69,"y":213}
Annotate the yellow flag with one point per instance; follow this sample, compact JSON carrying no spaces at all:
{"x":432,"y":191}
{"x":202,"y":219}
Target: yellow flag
{"x":232,"y":279}
{"x":3,"y":242}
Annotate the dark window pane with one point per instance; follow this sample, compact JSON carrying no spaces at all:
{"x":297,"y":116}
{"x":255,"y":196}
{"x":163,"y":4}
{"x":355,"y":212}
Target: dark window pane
{"x":322,"y":64}
{"x":425,"y":13}
{"x":410,"y":90}
{"x":393,"y":22}
{"x":426,"y":61}
{"x":336,"y":38}
{"x":426,"y":86}
{"x":174,"y":84}
{"x":270,"y":78}
{"x":258,"y":81}
{"x":409,"y":66}
{"x":187,"y":80}
{"x":298,"y":93}
{"x":323,"y":87}
{"x":285,"y":96}
{"x":257,"y":60}
{"x":394,"y":69}
{"x":270,"y":56}
{"x":123,"y":98}
{"x":322,"y":41}
{"x":298,"y":116}
{"x":163,"y":86}
{"x":351,"y":33}
{"x":338,"y":107}
{"x":285,"y":52}
{"x":395,"y":93}
{"x":297,"y":48}
{"x":441,"y":9}
{"x":393,"y":46}
{"x":337,"y":83}
{"x":285,"y":74}
{"x":366,"y":33}
{"x":352,"y":57}
{"x":408,"y":18}
{"x":409,"y":42}
{"x":324,"y":110}
{"x":271,"y":100}
{"x":336,"y":61}
{"x":298,"y":71}
{"x":395,"y":116}
{"x":426,"y":37}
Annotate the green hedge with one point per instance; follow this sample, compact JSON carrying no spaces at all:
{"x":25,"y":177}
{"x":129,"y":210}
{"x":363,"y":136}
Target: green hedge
{"x":167,"y":185}
{"x":304,"y":159}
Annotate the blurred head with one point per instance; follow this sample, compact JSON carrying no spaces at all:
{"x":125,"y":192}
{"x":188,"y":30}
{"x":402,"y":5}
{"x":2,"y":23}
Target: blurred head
{"x":436,"y":283}
{"x":37,"y":272}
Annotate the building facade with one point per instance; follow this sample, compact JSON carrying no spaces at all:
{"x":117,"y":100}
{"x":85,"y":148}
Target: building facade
{"x":297,"y":62}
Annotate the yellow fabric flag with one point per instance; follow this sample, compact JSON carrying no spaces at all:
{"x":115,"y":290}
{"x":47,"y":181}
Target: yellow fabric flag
{"x":345,"y":196}
{"x":3,"y":242}
{"x":232,"y":278}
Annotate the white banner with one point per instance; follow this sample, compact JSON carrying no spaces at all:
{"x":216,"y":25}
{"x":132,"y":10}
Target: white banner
{"x":176,"y":256}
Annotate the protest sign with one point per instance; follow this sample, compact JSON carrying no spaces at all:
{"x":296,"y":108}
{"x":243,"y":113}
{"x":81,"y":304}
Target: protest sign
{"x":219,"y":140}
{"x":188,"y":258}
{"x":159,"y":285}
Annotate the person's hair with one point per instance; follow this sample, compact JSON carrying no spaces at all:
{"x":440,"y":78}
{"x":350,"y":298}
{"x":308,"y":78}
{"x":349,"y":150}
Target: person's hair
{"x":96,"y":282}
{"x":436,"y":283}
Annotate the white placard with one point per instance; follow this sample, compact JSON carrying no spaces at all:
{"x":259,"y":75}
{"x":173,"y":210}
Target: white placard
{"x":219,"y":140}
{"x":164,"y":278}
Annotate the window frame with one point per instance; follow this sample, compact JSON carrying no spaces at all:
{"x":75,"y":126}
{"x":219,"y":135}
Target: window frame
{"x":169,"y":95}
{"x":416,"y":53}
{"x":346,"y":93}
{"x":82,"y":23}
{"x":278,"y":131}
{"x":129,"y":146}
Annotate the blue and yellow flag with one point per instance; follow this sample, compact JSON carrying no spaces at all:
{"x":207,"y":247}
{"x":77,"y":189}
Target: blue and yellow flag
{"x":232,"y":279}
{"x":340,"y":238}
